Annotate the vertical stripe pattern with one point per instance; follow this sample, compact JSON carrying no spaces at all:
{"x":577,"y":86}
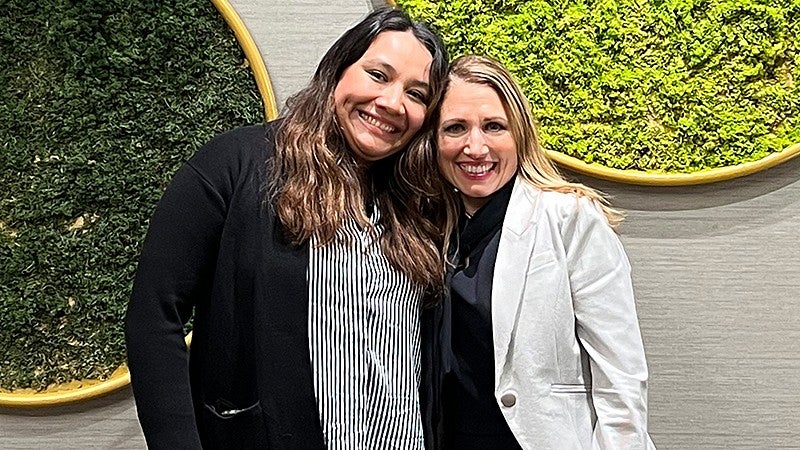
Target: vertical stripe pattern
{"x":364,"y":339}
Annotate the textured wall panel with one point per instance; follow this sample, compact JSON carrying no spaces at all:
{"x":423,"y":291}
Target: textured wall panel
{"x":717,"y":276}
{"x":294,"y":35}
{"x":104,"y":423}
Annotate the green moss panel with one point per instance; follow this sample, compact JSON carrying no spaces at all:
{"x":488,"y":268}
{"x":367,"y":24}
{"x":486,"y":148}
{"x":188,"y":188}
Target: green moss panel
{"x":100,"y":103}
{"x":672,"y":86}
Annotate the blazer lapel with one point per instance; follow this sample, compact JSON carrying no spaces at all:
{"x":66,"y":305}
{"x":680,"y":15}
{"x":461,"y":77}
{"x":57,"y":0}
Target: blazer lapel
{"x":513,"y":255}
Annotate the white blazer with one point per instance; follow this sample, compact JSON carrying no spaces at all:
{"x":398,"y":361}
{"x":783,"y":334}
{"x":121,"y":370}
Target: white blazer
{"x":570,"y":369}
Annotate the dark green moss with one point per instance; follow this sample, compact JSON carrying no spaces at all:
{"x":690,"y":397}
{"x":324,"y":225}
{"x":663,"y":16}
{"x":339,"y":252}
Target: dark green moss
{"x":664,"y":86}
{"x":100,"y":103}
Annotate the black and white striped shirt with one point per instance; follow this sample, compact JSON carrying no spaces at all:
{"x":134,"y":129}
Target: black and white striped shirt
{"x":364,"y":340}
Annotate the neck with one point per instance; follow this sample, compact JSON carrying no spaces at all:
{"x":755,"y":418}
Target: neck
{"x":472,"y":205}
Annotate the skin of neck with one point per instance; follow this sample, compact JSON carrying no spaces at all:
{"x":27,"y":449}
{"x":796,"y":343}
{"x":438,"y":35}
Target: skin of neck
{"x":472,"y":205}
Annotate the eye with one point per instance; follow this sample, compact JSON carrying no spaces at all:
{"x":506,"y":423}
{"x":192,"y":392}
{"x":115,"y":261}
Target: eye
{"x":494,"y":126}
{"x":377,"y":75}
{"x":419,"y":96}
{"x":453,"y":129}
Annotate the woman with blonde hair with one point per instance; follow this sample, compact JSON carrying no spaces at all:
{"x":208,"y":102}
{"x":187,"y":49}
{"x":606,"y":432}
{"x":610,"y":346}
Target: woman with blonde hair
{"x":537,"y":343}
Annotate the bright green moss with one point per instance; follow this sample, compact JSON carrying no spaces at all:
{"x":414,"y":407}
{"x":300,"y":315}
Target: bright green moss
{"x":100,"y":103}
{"x":663,"y":86}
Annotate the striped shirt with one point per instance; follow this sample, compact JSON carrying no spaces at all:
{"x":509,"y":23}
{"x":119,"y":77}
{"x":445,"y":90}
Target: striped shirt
{"x":364,"y":338}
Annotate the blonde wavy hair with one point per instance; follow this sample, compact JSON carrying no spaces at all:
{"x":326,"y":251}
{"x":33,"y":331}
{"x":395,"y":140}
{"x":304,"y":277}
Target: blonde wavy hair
{"x":535,"y":167}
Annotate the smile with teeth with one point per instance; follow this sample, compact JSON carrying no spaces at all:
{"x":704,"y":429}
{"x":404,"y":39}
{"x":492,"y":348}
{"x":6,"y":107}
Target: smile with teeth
{"x":477,"y":169}
{"x":383,"y":126}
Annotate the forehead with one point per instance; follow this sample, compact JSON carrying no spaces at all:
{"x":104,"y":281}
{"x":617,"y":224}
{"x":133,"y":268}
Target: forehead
{"x":402,"y":51}
{"x":468,"y":99}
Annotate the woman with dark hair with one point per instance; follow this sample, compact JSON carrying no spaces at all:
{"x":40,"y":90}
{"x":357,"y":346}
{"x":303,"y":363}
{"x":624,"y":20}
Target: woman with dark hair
{"x":537,"y":344}
{"x":301,"y":250}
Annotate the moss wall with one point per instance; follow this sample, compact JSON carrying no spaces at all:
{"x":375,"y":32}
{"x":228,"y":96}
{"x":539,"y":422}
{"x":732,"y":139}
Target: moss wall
{"x":649,"y":85}
{"x":100,"y":103}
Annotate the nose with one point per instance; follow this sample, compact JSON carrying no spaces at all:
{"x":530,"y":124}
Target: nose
{"x":476,"y":146}
{"x":391,"y":99}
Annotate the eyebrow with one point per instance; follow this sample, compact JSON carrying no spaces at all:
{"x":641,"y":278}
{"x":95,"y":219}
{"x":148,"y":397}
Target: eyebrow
{"x":393,"y":72}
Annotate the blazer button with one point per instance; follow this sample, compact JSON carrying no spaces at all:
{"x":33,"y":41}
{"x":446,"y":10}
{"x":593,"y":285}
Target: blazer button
{"x":508,"y":400}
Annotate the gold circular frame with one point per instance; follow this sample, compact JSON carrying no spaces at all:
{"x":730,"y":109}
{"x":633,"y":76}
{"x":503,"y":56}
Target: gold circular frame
{"x":80,"y":390}
{"x":70,"y":392}
{"x":674,"y":179}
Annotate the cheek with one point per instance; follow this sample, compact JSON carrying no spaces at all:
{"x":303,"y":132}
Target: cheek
{"x":445,"y":155}
{"x":512,"y":165}
{"x":338,"y":103}
{"x":344,"y":92}
{"x":446,"y":171}
{"x":442,"y":163}
{"x":443,"y":151}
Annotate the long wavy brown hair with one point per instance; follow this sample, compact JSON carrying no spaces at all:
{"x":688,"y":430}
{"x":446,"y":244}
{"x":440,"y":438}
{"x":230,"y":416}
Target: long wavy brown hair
{"x":317,"y":185}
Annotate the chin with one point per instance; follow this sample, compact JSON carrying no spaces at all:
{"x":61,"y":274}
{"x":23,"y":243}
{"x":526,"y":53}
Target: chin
{"x":483,"y":193}
{"x":375,"y":155}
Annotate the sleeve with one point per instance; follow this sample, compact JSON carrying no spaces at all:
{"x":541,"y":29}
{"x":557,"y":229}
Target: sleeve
{"x":607,"y":328}
{"x":174,"y":274}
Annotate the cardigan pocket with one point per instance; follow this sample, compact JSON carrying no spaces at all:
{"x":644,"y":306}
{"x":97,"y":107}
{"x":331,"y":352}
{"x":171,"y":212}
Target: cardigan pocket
{"x":225,"y":426}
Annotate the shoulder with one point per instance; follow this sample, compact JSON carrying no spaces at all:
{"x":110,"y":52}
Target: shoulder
{"x":249,"y":142}
{"x":562,"y":207}
{"x":230,"y":154}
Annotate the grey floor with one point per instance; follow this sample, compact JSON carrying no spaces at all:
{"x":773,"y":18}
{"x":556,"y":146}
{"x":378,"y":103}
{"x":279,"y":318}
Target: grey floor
{"x":716,"y":271}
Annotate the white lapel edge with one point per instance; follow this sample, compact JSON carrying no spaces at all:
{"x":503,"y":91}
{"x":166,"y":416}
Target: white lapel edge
{"x":511,"y":266}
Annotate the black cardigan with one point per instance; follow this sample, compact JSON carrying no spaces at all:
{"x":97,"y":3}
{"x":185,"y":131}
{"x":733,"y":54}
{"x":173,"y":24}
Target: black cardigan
{"x":214,"y":246}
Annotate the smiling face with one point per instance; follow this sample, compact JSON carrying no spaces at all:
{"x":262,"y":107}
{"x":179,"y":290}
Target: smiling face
{"x":477,"y":152}
{"x":381,"y":99}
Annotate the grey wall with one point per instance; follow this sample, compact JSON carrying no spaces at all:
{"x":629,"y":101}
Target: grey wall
{"x":717,"y":276}
{"x":293,"y":35}
{"x":716,"y":271}
{"x":104,"y":423}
